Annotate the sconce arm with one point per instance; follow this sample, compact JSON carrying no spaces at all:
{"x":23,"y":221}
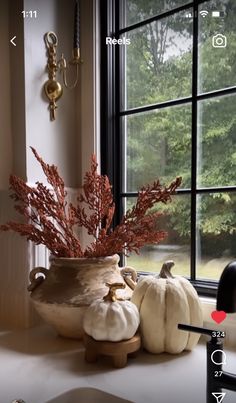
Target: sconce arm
{"x":64,"y":68}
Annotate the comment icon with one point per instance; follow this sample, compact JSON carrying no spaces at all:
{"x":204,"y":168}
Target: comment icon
{"x":218,"y":357}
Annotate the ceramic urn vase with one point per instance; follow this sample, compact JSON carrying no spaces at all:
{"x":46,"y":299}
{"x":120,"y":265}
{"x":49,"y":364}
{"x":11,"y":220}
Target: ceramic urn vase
{"x":62,"y":293}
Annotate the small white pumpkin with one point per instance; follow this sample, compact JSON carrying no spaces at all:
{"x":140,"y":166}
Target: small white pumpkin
{"x":111,"y":319}
{"x":163,"y":302}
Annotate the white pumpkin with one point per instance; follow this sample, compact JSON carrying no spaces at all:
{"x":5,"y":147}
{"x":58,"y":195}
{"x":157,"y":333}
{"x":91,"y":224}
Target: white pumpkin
{"x":111,"y":319}
{"x":163,"y":302}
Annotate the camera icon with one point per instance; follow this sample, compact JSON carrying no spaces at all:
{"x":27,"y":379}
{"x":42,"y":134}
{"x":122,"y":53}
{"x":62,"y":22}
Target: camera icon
{"x":219,"y":41}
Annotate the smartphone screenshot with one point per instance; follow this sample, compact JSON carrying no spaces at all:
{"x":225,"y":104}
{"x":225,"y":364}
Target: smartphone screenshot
{"x":118,"y":201}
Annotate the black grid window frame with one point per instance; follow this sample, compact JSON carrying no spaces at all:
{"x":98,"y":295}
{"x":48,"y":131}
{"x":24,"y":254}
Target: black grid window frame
{"x":111,"y":115}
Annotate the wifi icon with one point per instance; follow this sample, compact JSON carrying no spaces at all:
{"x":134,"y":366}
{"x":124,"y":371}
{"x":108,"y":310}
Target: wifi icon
{"x":204,"y":13}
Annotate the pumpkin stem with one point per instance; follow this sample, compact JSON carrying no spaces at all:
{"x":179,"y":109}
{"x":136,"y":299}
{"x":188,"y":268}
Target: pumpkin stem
{"x":165,"y":270}
{"x":111,"y":295}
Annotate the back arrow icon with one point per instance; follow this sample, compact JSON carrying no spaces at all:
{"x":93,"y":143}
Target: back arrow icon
{"x":12,"y":40}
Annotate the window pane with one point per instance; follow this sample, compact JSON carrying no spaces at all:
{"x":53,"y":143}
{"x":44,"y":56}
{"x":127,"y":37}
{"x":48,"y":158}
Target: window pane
{"x":217,"y":142}
{"x":216,"y":233}
{"x":158,"y":145}
{"x":139,"y":10}
{"x":217,"y":48}
{"x":157,"y":64}
{"x":176,"y":246}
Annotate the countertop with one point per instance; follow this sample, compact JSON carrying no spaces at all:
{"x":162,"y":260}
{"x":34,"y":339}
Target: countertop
{"x":38,"y":366}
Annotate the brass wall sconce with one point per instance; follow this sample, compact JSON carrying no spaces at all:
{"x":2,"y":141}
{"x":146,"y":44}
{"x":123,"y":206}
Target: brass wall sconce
{"x":52,"y":88}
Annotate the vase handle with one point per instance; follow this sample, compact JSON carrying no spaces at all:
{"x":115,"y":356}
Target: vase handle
{"x":35,"y":281}
{"x":129,"y":274}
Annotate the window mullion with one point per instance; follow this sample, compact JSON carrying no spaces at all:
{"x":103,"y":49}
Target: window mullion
{"x":194,"y":143}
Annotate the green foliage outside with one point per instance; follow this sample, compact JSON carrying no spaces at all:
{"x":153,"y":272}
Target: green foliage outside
{"x":158,"y":69}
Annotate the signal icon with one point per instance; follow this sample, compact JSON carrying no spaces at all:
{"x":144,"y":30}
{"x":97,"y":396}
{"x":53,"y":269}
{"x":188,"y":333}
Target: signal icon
{"x":204,"y":13}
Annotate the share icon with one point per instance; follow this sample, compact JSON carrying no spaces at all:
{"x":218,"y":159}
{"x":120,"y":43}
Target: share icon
{"x":219,"y":397}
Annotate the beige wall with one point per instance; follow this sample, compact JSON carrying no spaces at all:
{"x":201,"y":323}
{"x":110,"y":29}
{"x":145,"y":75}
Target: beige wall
{"x":66,"y":142}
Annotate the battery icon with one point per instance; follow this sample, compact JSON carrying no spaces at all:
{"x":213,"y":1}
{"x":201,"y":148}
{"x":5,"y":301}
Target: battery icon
{"x":218,"y":14}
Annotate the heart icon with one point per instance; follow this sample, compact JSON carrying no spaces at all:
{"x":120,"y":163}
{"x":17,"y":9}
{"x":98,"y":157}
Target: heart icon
{"x":218,"y":316}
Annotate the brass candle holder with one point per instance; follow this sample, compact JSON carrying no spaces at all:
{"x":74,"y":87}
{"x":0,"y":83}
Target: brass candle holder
{"x":53,"y":89}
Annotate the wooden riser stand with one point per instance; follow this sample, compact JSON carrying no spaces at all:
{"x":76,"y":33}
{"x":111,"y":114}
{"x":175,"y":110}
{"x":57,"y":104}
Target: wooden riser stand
{"x":118,"y":351}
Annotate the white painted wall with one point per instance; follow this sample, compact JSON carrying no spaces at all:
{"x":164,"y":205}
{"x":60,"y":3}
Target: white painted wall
{"x":71,"y":138}
{"x":55,"y":141}
{"x":5,"y":113}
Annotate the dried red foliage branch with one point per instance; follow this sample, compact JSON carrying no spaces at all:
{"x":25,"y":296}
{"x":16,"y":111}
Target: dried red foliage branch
{"x":53,"y":222}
